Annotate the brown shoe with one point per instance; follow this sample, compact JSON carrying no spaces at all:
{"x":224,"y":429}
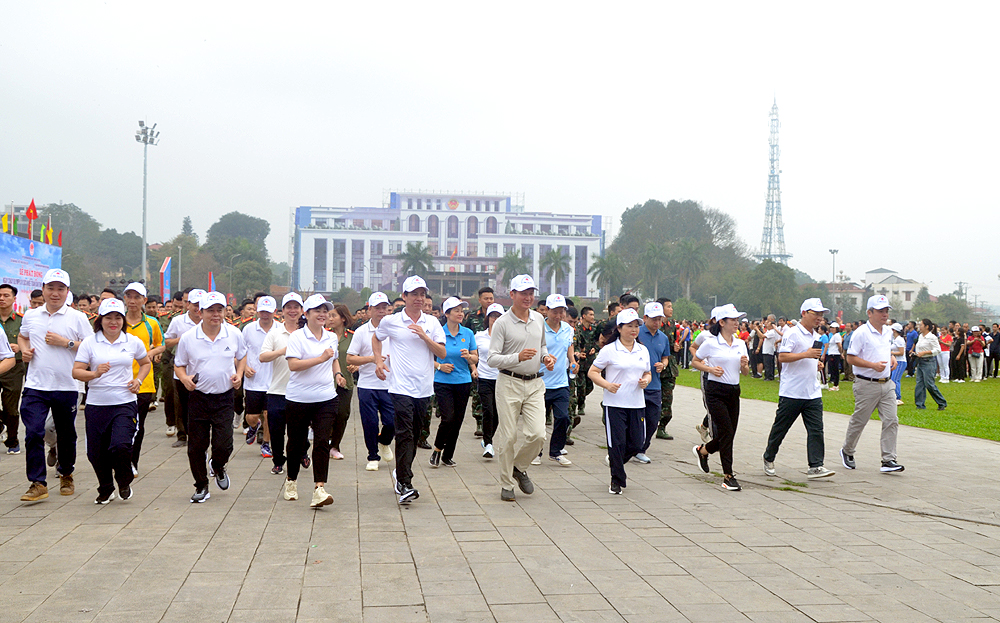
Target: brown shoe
{"x":37,"y":491}
{"x":66,"y":485}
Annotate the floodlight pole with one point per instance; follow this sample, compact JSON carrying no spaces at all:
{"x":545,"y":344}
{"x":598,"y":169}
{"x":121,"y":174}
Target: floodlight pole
{"x":147,"y":136}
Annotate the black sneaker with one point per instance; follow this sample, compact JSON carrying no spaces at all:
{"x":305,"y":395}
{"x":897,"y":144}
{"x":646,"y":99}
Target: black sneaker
{"x":222,"y":479}
{"x":435,"y":460}
{"x":449,"y":463}
{"x":306,"y":462}
{"x":848,"y":459}
{"x":252,"y":434}
{"x":523,"y":482}
{"x":890,"y":466}
{"x":423,"y":445}
{"x":729,"y":483}
{"x":125,"y":493}
{"x":200,"y":495}
{"x":277,"y":470}
{"x":702,"y":460}
{"x":104,"y":499}
{"x":615,"y":489}
{"x":407,"y":495}
{"x":395,"y":484}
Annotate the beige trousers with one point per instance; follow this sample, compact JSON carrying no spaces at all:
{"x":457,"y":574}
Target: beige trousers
{"x":520,"y":408}
{"x":868,"y":397}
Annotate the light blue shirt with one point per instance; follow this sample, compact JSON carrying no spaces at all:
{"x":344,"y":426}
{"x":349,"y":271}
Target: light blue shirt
{"x":558,"y":343}
{"x":454,"y":345}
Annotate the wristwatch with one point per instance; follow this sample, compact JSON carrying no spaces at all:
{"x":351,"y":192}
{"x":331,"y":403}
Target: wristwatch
{"x":70,"y":345}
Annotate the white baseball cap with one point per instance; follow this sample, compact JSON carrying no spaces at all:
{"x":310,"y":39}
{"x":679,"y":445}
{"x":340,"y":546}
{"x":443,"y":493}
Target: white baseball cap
{"x":626,"y":316}
{"x":974,"y":329}
{"x":56,"y":274}
{"x":834,"y":325}
{"x":555,"y":300}
{"x":377,"y":298}
{"x":715,"y":313}
{"x":207,"y":299}
{"x":451,"y":303}
{"x":521,"y":283}
{"x":814,"y":305}
{"x":729,"y":311}
{"x":194,"y":296}
{"x":266,"y":304}
{"x":412,"y":283}
{"x":111,"y":305}
{"x":135,"y":286}
{"x":495,"y":308}
{"x":317,"y":300}
{"x":898,"y":328}
{"x":291,"y":296}
{"x":654,"y":310}
{"x":878,"y":301}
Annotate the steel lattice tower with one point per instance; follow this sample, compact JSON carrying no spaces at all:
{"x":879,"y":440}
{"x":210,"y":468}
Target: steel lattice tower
{"x":772,"y":241}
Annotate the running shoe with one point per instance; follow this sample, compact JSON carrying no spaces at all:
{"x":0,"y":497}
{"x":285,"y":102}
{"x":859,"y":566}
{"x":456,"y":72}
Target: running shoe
{"x":104,"y":499}
{"x":561,"y":460}
{"x":848,"y":459}
{"x":320,"y":498}
{"x":222,"y":479}
{"x":769,"y":468}
{"x":435,"y":460}
{"x":615,"y":489}
{"x":200,"y":495}
{"x":252,"y":434}
{"x":488,"y":451}
{"x":291,"y":490}
{"x":385,"y":451}
{"x":642,"y":458}
{"x":265,"y":450}
{"x":408,"y":495}
{"x":890,"y":466}
{"x":277,"y":469}
{"x":372,"y":466}
{"x":125,"y":493}
{"x":819,"y":472}
{"x":702,"y":460}
{"x":729,"y":483}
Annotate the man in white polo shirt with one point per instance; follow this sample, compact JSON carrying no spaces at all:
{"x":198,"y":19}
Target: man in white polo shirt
{"x":257,"y":376}
{"x":517,"y":350}
{"x":872,"y":362}
{"x":178,"y":327}
{"x":210,"y":362}
{"x":49,"y":338}
{"x":416,"y":339}
{"x":799,"y":391}
{"x":373,"y":392}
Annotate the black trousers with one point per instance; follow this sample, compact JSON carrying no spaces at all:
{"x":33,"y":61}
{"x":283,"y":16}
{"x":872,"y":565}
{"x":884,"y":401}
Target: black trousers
{"x":626,"y":433}
{"x":410,"y":413}
{"x":181,"y":397}
{"x":299,"y":416}
{"x":142,"y":404}
{"x":110,"y":429}
{"x":11,"y":383}
{"x":789,"y":409}
{"x":724,"y":406}
{"x":343,"y":414}
{"x":210,"y":421}
{"x":651,"y":414}
{"x":768,"y":367}
{"x":452,"y":400}
{"x":276,"y":425}
{"x":488,"y":399}
{"x":833,"y":369}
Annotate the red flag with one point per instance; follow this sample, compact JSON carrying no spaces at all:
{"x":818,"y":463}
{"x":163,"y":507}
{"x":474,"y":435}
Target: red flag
{"x":60,"y":238}
{"x":454,"y":252}
{"x":31,"y":215}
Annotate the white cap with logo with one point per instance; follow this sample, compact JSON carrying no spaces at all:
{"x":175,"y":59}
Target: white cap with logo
{"x":729,"y":311}
{"x":626,"y":316}
{"x":898,"y":328}
{"x":521,"y":283}
{"x":451,"y":303}
{"x":555,"y":300}
{"x":377,"y":298}
{"x":814,"y":305}
{"x":111,"y":305}
{"x":495,"y":308}
{"x":56,"y":274}
{"x":266,"y":304}
{"x":291,"y":296}
{"x":137,"y":287}
{"x":412,"y":283}
{"x":654,"y":310}
{"x":317,"y":300}
{"x":212,"y":298}
{"x":879,"y":301}
{"x":194,"y":296}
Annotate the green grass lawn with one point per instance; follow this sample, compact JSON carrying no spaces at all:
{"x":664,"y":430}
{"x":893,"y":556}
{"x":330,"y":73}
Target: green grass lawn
{"x":971,"y":406}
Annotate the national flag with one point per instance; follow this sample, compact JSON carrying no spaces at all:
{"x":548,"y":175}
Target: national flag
{"x":211,"y":282}
{"x":60,"y":238}
{"x":31,"y":214}
{"x":453,"y":253}
{"x":48,"y":235}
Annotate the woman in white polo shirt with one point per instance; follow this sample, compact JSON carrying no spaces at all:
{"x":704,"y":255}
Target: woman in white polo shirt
{"x":311,"y":396}
{"x":723,"y":357}
{"x":273,"y":351}
{"x":104,"y":360}
{"x":487,"y":380}
{"x":625,"y":363}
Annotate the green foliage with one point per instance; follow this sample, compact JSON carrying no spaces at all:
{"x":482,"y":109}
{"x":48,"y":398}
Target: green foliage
{"x":655,"y":262}
{"x":511,"y":265}
{"x":247,"y":277}
{"x":187,"y":229}
{"x":280,"y":273}
{"x":769,"y":289}
{"x":239,"y":225}
{"x":686,"y":309}
{"x":554,"y":265}
{"x":609,"y":271}
{"x":416,"y":259}
{"x":947,"y":307}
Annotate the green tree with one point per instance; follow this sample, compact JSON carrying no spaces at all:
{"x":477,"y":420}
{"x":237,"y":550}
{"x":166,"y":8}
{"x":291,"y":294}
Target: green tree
{"x":416,"y":259}
{"x":554,"y":266}
{"x":280,"y":273}
{"x":609,"y":271}
{"x":769,"y":289}
{"x":655,"y":261}
{"x":511,"y":265}
{"x":922,"y":297}
{"x":247,"y":277}
{"x":688,"y":257}
{"x":238,"y":225}
{"x":187,"y":229}
{"x":686,"y":309}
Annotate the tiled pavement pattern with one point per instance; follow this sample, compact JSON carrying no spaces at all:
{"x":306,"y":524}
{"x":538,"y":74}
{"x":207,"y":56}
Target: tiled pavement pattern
{"x":675,"y":547}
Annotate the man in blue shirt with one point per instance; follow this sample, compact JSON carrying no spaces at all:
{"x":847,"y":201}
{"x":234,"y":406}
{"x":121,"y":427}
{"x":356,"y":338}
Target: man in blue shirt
{"x":559,"y":341}
{"x":658,"y":345}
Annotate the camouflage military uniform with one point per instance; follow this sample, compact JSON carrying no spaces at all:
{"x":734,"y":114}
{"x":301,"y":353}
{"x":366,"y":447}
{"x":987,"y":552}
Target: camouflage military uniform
{"x":170,"y":405}
{"x":477,"y":322}
{"x":668,"y":379}
{"x":584,"y":341}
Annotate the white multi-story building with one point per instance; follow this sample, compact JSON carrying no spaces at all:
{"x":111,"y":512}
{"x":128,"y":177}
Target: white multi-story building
{"x":466,"y":233}
{"x":889,"y":283}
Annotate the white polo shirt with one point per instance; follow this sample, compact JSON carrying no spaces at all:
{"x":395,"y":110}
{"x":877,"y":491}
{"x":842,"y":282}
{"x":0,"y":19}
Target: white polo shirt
{"x":870,"y":345}
{"x":111,"y":388}
{"x":214,"y":361}
{"x":835,"y":343}
{"x":799,"y":379}
{"x":483,"y":345}
{"x":178,"y":327}
{"x":5,"y":351}
{"x":412,"y":361}
{"x":361,"y":346}
{"x":314,"y":384}
{"x":254,"y":336}
{"x":276,"y":339}
{"x":715,"y":352}
{"x":771,"y":337}
{"x":51,"y":368}
{"x":626,"y":367}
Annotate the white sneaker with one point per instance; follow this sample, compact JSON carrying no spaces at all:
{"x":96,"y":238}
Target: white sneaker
{"x":291,"y":490}
{"x":769,"y":468}
{"x":563,"y":451}
{"x":642,"y":458}
{"x":372,"y":466}
{"x":336,"y":455}
{"x":320,"y":498}
{"x":561,"y":460}
{"x":819,"y":472}
{"x":488,"y":451}
{"x":945,"y":381}
{"x":385,"y":452}
{"x":537,"y":460}
{"x":899,"y":402}
{"x":607,"y":460}
{"x":171,"y":431}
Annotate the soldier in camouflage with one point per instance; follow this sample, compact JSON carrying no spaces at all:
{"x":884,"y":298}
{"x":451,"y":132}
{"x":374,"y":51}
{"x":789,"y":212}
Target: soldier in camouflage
{"x":668,"y":377}
{"x":585,"y":348}
{"x":476,"y":322}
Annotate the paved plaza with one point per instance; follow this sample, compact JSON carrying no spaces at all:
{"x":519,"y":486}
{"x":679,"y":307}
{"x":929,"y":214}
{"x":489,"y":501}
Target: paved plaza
{"x":922,"y":545}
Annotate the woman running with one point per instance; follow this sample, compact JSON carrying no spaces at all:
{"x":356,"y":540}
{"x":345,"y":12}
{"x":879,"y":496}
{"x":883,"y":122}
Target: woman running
{"x":723,"y":357}
{"x":311,"y":396}
{"x":104,"y":360}
{"x":625,"y":363}
{"x":273,"y":351}
{"x":338,"y":321}
{"x":453,"y":381}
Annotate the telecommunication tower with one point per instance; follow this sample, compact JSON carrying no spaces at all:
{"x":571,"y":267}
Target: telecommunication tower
{"x":772,"y":241}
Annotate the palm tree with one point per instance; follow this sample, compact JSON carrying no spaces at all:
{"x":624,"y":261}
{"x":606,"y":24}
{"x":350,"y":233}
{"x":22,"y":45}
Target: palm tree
{"x":608,"y":271}
{"x":416,"y":259}
{"x":655,"y":260}
{"x":555,"y":266}
{"x":688,"y":257}
{"x":513,"y":264}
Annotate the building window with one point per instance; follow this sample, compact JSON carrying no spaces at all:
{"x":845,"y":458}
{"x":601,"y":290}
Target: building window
{"x":414,"y":223}
{"x":491,"y":249}
{"x":468,"y":205}
{"x":580,"y":272}
{"x":907,"y":295}
{"x":581,"y":229}
{"x":472,"y":227}
{"x":438,"y":204}
{"x":528,"y":251}
{"x":376,"y":247}
{"x":508,"y":249}
{"x":528,"y":227}
{"x":409,"y":204}
{"x":453,"y":226}
{"x":471,"y":249}
{"x":564,"y":230}
{"x":491,"y":225}
{"x":545,"y":228}
{"x":433,"y":247}
{"x":359,"y":222}
{"x":321,"y":222}
{"x":432,"y":226}
{"x":429,"y":205}
{"x":452,"y":249}
{"x":477,"y":206}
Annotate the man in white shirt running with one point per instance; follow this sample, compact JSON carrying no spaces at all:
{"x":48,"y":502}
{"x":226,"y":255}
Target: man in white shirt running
{"x":257,"y":376}
{"x":178,"y":327}
{"x":373,"y":392}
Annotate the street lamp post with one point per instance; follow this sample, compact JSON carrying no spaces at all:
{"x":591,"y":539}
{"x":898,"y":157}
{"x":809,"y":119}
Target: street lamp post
{"x":231,"y":258}
{"x":833,"y":275}
{"x":180,"y":268}
{"x":147,"y":135}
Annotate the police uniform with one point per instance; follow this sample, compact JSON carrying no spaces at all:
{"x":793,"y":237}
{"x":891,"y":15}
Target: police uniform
{"x":11,"y":382}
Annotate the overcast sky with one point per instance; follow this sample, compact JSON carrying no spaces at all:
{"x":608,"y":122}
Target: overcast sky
{"x":889,"y":120}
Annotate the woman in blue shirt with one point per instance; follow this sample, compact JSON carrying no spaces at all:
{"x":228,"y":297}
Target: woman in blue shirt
{"x":453,"y":381}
